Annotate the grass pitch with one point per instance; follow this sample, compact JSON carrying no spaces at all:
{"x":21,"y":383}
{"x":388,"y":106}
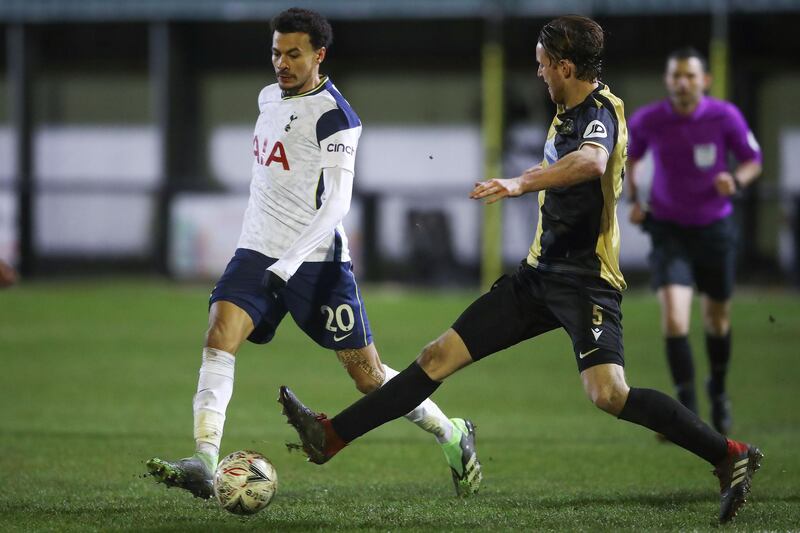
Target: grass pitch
{"x":99,"y":376}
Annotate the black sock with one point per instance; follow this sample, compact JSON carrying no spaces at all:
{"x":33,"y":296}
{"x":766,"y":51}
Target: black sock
{"x":719,"y":354}
{"x":400,"y":395}
{"x":662,"y":414}
{"x":679,"y":357}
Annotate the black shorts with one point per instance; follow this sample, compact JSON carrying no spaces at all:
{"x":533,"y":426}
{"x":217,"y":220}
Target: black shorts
{"x":531,"y":302}
{"x":704,"y":256}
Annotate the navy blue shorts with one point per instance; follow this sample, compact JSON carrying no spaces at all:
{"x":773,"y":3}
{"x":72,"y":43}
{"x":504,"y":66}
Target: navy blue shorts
{"x":323,"y":299}
{"x":704,"y":256}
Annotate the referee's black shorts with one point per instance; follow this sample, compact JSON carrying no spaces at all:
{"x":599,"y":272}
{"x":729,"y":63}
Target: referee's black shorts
{"x":703,"y":255}
{"x":531,"y":302}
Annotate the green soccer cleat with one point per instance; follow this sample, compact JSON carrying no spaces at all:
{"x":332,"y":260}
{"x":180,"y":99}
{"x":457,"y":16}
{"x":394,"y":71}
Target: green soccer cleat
{"x":463,"y":458}
{"x":192,"y":474}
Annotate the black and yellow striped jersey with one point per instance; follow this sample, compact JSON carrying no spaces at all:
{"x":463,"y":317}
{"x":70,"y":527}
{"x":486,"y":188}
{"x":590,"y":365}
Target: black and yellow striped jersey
{"x":577,"y":230}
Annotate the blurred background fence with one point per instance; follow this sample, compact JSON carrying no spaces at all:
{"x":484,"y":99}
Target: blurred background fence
{"x":125,"y":144}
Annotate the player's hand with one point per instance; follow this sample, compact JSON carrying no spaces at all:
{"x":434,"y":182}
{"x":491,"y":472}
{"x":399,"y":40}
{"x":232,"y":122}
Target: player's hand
{"x":273,"y":284}
{"x":725,"y":184}
{"x":637,"y":214}
{"x":496,"y":189}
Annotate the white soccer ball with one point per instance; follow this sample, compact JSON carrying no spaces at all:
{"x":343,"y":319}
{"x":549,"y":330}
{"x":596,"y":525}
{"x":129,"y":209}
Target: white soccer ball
{"x":245,"y":482}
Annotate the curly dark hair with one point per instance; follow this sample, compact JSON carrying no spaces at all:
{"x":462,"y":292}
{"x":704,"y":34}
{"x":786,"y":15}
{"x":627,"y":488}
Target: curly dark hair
{"x":578,"y":39}
{"x":297,"y":20}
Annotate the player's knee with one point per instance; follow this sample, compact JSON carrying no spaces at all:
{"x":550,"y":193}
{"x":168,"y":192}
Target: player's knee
{"x":433,"y":357}
{"x":718,"y":328}
{"x":220,"y":336}
{"x":609,"y":398}
{"x":675,"y":326}
{"x":717,"y":324}
{"x":444,"y":356}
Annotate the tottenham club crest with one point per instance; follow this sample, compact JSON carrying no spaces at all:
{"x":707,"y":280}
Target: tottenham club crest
{"x":288,"y":125}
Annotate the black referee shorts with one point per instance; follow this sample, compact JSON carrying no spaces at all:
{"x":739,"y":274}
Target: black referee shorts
{"x":531,"y":302}
{"x":704,"y":256}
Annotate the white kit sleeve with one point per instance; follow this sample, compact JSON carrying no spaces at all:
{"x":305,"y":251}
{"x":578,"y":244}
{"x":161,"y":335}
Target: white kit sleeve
{"x":336,"y":204}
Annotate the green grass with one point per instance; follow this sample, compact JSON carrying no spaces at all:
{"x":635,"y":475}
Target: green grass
{"x":96,"y":377}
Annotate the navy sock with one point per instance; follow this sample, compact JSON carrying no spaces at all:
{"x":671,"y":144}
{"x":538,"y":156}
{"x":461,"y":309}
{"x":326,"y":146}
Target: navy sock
{"x":397,"y":397}
{"x":681,"y":366}
{"x":657,"y":411}
{"x":719,"y":354}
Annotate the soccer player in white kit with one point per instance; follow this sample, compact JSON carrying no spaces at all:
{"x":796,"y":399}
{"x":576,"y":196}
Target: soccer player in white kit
{"x":292,"y":256}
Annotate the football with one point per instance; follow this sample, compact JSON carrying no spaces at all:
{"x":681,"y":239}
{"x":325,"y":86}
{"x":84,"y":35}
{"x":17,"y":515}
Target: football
{"x":245,"y":482}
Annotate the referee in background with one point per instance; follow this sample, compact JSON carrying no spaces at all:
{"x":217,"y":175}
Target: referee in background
{"x":689,"y":216}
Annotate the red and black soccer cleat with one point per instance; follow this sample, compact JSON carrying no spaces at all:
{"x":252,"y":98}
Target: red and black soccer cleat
{"x":319,"y":440}
{"x":735,"y":474}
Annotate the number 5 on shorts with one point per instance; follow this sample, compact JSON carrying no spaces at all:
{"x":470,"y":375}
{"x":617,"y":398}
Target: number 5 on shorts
{"x":597,"y":315}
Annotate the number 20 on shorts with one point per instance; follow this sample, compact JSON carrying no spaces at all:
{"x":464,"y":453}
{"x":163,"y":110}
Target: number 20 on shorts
{"x":343,"y":317}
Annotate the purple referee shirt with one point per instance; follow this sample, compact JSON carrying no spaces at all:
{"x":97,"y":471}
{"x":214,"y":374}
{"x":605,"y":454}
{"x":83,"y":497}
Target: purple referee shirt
{"x":688,"y":151}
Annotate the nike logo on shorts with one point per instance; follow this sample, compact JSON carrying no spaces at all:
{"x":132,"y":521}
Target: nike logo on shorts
{"x":582,"y":355}
{"x":343,"y":337}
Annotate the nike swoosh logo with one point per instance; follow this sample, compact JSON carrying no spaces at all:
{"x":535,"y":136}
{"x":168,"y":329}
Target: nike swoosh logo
{"x":337,"y":339}
{"x":582,"y":355}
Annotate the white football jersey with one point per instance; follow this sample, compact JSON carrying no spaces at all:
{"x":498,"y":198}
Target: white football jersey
{"x":295,"y":138}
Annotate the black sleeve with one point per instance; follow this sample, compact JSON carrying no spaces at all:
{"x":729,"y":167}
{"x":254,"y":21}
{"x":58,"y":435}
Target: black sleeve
{"x":597,"y":125}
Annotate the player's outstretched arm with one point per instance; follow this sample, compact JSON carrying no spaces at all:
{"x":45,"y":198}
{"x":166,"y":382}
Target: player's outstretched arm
{"x":576,"y":167}
{"x":496,"y":189}
{"x":586,"y":164}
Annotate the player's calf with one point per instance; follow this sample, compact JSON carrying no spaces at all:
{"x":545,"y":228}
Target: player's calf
{"x":721,"y":416}
{"x":363,"y":365}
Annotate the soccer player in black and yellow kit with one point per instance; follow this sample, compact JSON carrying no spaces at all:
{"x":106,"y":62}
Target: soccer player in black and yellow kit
{"x":570,"y":279}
